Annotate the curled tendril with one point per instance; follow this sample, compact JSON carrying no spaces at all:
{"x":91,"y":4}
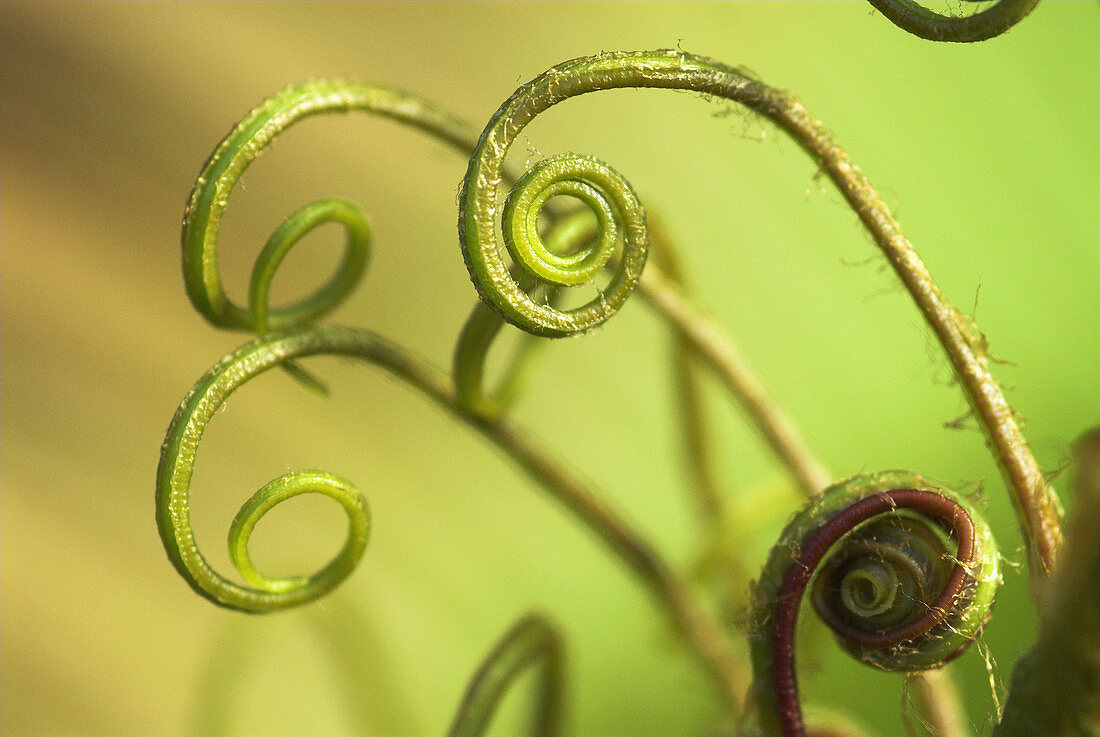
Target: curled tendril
{"x":472,"y":351}
{"x":620,"y":216}
{"x":224,"y":168}
{"x":913,"y":17}
{"x":1037,"y":507}
{"x":292,"y":230}
{"x":888,"y":581}
{"x":247,"y":140}
{"x":533,"y":642}
{"x":178,"y":459}
{"x":593,"y":183}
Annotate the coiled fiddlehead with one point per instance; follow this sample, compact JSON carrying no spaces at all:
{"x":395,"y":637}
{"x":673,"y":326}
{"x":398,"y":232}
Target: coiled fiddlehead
{"x":201,"y":403}
{"x":224,"y":168}
{"x":913,"y":17}
{"x":601,"y":188}
{"x":176,"y":467}
{"x":895,"y":590}
{"x":1037,"y":508}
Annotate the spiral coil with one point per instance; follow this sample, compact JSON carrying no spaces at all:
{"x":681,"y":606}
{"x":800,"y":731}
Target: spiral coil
{"x":890,"y":583}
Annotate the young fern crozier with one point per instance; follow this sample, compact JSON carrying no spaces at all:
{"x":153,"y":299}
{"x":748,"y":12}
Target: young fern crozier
{"x":891,"y":587}
{"x":912,"y":568}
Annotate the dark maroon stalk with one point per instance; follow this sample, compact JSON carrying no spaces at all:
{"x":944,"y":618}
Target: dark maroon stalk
{"x":799,"y":574}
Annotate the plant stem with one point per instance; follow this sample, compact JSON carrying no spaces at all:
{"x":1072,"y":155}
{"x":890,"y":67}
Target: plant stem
{"x":937,"y":701}
{"x":533,"y":642}
{"x":688,"y":391}
{"x":1055,"y":689}
{"x":706,"y":636}
{"x":715,"y":346}
{"x":703,"y":338}
{"x":1037,"y":507}
{"x":928,"y":24}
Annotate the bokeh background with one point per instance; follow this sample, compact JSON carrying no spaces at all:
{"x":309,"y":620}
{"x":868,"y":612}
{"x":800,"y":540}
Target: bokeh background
{"x":987,"y":153}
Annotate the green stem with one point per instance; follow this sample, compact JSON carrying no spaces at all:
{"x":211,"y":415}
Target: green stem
{"x":478,"y":334}
{"x":533,"y":642}
{"x":911,"y":16}
{"x":713,"y":345}
{"x":687,"y":367}
{"x":706,"y":635}
{"x":702,"y":340}
{"x":471,"y":353}
{"x":937,"y":701}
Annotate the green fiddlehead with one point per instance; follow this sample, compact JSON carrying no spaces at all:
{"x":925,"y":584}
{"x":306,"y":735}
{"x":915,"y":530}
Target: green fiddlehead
{"x":177,"y":463}
{"x":223,"y":169}
{"x":616,"y":207}
{"x":178,"y":455}
{"x":1037,"y":507}
{"x":533,"y":642}
{"x":913,"y":17}
{"x":887,"y":579}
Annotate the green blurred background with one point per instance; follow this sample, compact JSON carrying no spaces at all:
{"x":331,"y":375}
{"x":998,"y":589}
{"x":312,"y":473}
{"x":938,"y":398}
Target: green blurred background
{"x":987,"y":153}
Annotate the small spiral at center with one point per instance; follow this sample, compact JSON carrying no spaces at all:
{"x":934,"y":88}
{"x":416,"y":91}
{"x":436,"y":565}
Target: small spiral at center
{"x":620,"y":227}
{"x":521,"y":221}
{"x":871,"y":590}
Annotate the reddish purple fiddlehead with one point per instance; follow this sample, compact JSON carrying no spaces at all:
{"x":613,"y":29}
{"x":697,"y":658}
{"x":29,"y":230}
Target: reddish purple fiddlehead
{"x":900,"y":593}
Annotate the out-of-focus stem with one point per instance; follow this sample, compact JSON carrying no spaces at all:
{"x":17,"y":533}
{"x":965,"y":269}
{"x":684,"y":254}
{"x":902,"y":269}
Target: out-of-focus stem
{"x":937,"y":701}
{"x":713,"y":345}
{"x":687,"y":386}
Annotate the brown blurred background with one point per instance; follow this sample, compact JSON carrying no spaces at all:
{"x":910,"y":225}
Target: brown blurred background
{"x":987,"y":153}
